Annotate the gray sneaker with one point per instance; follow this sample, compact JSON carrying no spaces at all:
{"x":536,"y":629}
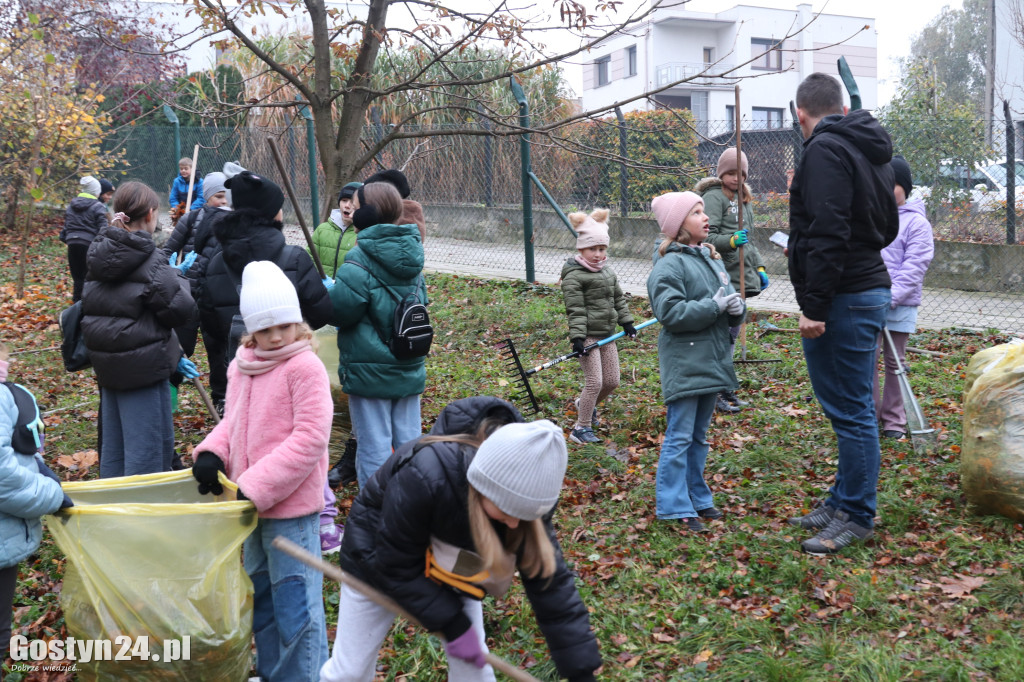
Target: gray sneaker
{"x":819,"y":517}
{"x":840,"y":533}
{"x":583,"y":436}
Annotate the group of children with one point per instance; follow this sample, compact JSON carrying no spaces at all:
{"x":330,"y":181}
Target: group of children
{"x":442,"y":520}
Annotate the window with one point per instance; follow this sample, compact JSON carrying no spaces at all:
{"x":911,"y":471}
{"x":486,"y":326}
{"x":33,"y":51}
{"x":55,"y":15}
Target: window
{"x":730,"y":117}
{"x":766,"y":55}
{"x":631,"y":61}
{"x":709,"y":55}
{"x":766,"y":118}
{"x":601,"y":66}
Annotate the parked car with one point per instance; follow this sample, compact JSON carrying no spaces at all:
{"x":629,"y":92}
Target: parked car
{"x":984,"y":185}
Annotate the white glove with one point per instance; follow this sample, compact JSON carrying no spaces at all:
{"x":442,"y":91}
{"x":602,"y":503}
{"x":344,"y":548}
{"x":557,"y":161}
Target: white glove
{"x":735,"y":305}
{"x":720,"y":299}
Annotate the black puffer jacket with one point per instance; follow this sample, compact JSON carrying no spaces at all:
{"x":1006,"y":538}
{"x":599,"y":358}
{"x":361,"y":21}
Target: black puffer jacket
{"x":85,"y":217}
{"x":131,"y":302}
{"x":243,"y":239}
{"x":842,"y":211}
{"x":422,"y":492}
{"x":195,"y":233}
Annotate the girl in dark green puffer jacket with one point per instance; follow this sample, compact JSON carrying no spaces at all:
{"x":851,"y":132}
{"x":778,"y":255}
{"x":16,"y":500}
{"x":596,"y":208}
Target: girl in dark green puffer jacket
{"x":596,"y":306}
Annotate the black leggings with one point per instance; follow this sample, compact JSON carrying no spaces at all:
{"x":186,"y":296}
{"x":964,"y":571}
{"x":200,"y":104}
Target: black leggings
{"x":78,"y":268}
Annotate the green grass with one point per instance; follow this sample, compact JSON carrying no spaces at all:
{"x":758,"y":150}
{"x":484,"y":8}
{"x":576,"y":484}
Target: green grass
{"x":740,"y":604}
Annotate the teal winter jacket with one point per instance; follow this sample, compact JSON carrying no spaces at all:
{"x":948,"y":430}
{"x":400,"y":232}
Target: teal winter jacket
{"x":389,"y":255}
{"x":694,"y":351}
{"x":594,"y":301}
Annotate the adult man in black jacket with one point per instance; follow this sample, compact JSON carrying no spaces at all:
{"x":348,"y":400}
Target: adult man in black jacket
{"x":842,"y":213}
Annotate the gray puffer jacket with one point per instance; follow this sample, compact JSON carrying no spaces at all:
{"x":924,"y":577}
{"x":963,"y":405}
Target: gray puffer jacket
{"x":85,"y":217}
{"x":131,"y":303}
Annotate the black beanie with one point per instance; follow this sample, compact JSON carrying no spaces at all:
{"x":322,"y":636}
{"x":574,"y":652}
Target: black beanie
{"x":393,"y":177}
{"x":348,"y":191}
{"x":903,"y":178}
{"x":105,"y":186}
{"x":255,"y":193}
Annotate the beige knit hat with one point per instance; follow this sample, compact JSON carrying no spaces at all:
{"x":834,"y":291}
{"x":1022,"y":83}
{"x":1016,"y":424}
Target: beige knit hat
{"x":727,"y":161}
{"x":591,"y":230}
{"x":520,"y":468}
{"x":267,"y":298}
{"x":671,"y":209}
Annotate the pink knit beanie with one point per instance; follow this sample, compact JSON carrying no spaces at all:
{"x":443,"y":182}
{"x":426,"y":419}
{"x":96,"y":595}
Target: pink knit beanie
{"x":591,"y":230}
{"x":727,"y":161}
{"x":670,"y":210}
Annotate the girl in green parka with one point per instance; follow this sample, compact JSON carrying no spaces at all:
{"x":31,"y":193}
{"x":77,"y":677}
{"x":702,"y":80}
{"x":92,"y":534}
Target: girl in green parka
{"x":723,"y":195}
{"x":595,"y":305}
{"x":691,"y":296}
{"x":383,"y":392}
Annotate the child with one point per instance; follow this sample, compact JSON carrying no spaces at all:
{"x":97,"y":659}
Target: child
{"x":333,"y":238}
{"x":691,"y":296}
{"x":384,"y":392}
{"x":907,"y":259}
{"x":106,"y":191}
{"x":595,"y":306}
{"x":26,"y":493}
{"x":273,"y":444}
{"x":412,"y":211}
{"x":453,"y":516}
{"x":179,"y":189}
{"x":131,"y":303}
{"x":723,"y":196}
{"x":85,"y":217}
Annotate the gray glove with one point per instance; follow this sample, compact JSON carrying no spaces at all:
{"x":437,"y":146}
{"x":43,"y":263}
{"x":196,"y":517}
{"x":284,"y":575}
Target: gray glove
{"x":735,"y":306}
{"x":721,"y":300}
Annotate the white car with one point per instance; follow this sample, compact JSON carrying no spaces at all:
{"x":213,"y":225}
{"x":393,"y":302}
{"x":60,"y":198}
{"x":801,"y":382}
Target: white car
{"x":984,"y":186}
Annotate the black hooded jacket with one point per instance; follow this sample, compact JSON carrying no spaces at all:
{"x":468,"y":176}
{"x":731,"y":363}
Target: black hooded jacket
{"x":245,"y":238}
{"x":131,"y":302}
{"x":842,"y":211}
{"x":83,"y":220}
{"x":422,"y":492}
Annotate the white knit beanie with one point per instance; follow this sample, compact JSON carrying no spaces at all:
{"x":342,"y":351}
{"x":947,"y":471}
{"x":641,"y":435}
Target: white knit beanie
{"x":520,"y":468}
{"x":90,"y":185}
{"x":591,"y":230}
{"x":268,"y":297}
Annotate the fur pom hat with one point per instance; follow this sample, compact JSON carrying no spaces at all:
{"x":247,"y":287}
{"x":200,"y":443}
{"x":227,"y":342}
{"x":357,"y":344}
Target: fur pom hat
{"x":670,"y":210}
{"x":727,"y":162}
{"x":591,"y":230}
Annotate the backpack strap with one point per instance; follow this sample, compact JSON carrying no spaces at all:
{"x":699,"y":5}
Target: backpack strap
{"x":393,"y":295}
{"x":27,"y":436}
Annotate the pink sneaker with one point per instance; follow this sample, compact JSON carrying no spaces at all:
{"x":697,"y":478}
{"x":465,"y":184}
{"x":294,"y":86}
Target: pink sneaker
{"x":330,"y":538}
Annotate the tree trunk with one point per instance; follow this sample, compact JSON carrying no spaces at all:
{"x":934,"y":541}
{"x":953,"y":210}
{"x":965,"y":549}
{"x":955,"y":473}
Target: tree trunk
{"x":23,"y":261}
{"x":11,"y":216}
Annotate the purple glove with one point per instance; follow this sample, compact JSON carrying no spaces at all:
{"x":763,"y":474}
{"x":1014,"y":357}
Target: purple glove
{"x":466,"y":647}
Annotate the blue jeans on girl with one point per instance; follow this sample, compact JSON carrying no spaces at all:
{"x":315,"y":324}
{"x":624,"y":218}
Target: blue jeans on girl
{"x":680,"y":487}
{"x":383,"y":425}
{"x":288,"y":603}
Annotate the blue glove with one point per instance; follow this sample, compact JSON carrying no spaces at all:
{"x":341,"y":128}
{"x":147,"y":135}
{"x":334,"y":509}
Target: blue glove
{"x":187,"y":368}
{"x":328,"y":283}
{"x":186,"y":262}
{"x":764,"y":279}
{"x":738,"y":239}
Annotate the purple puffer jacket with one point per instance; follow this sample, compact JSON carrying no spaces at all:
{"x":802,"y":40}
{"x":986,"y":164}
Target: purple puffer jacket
{"x":908,"y":256}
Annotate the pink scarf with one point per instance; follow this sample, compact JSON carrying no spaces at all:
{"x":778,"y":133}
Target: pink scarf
{"x":588,"y":265}
{"x":3,"y":370}
{"x":267,"y":360}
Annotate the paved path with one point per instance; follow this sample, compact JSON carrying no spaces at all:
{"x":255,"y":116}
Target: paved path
{"x":940,"y":308}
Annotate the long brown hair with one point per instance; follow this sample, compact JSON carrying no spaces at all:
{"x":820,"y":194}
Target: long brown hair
{"x":385,"y":198}
{"x":744,"y":191}
{"x":134,"y":199}
{"x":538,"y":554}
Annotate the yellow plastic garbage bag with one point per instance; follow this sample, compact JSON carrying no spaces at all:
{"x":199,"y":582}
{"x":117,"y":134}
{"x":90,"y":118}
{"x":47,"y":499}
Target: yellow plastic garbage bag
{"x":155,"y":568}
{"x":992,"y":455}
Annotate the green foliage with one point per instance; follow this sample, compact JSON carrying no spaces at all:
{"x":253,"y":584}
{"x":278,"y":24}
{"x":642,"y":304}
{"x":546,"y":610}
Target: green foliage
{"x":662,"y":142}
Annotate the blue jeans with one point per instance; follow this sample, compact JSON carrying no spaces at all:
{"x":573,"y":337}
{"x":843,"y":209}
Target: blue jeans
{"x":841,"y":364}
{"x":383,"y":425}
{"x":288,"y":603}
{"x":138,"y":431}
{"x":680,"y":488}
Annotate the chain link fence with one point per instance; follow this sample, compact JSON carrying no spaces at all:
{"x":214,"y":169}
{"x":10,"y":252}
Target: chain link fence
{"x":471,"y":189}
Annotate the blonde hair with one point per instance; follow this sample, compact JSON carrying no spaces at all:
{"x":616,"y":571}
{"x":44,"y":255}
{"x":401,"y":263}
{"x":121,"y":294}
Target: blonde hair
{"x":744,"y":190}
{"x":304,"y":332}
{"x":538,"y":558}
{"x":663,"y":247}
{"x":185,"y":161}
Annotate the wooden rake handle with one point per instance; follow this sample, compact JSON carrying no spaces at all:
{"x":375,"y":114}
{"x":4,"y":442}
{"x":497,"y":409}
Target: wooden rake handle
{"x":339,"y":576}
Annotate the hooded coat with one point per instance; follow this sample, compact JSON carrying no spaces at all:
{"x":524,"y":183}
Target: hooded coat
{"x":723,"y":224}
{"x":245,"y":238}
{"x":421,"y":492}
{"x":85,"y":217}
{"x":594,"y":301}
{"x":908,"y":256}
{"x":131,"y":302}
{"x":385,"y":256}
{"x":333,"y":240}
{"x":842,"y":211}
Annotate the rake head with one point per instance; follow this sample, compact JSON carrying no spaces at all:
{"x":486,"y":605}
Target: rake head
{"x":515,"y":370}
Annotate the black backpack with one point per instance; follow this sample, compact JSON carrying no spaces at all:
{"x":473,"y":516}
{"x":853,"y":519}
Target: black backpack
{"x":27,"y":437}
{"x":411,"y":331}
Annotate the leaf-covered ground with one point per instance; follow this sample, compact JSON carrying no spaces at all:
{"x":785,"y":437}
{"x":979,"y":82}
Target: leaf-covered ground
{"x":938,"y":594}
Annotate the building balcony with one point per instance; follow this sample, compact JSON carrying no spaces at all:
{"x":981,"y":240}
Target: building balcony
{"x":670,"y":72}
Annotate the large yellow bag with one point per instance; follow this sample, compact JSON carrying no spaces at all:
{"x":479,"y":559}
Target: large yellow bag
{"x":992,"y":455}
{"x":149,"y":557}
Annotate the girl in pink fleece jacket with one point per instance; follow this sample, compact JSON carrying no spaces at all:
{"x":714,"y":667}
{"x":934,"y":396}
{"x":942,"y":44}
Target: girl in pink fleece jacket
{"x":273,"y":444}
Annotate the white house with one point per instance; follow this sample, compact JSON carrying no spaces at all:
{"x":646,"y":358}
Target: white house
{"x":765,"y":47}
